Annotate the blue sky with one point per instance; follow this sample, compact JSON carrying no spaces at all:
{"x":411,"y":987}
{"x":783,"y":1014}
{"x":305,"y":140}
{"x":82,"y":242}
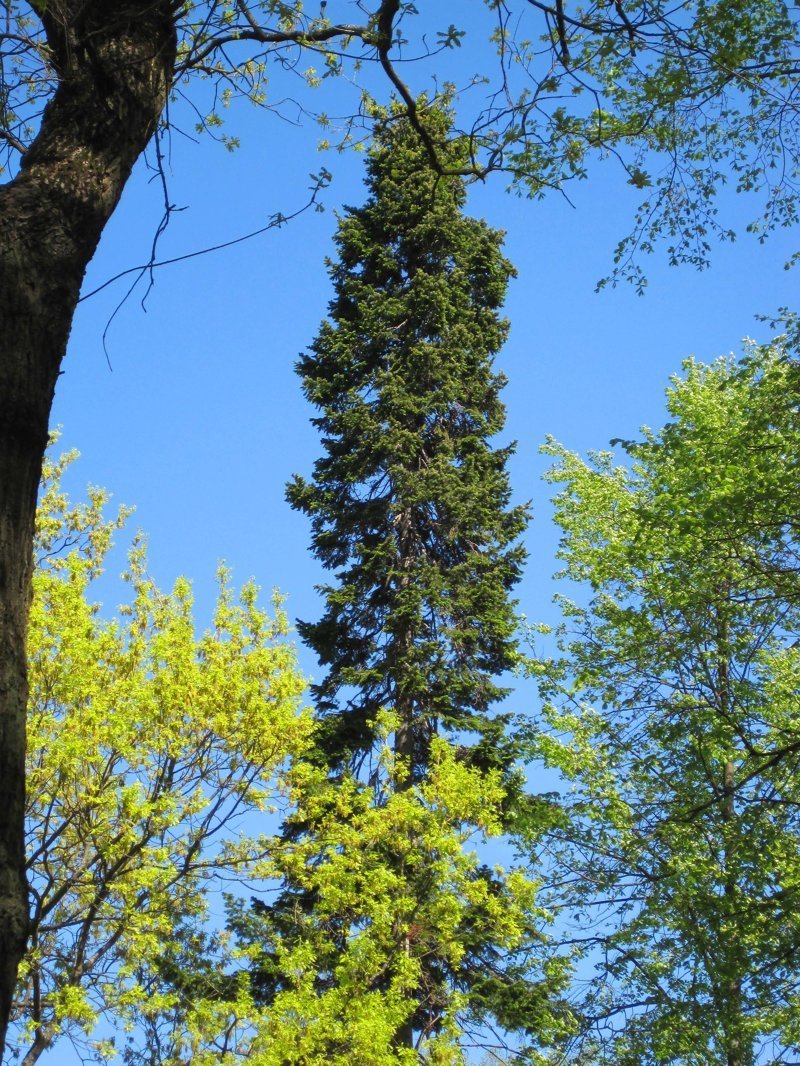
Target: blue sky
{"x":199,"y":422}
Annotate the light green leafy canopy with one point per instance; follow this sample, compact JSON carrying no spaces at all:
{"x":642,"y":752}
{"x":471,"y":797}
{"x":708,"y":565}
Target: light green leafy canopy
{"x":673,"y":710}
{"x":687,"y":96}
{"x":152,"y":751}
{"x":690,"y":97}
{"x":147,"y":746}
{"x":400,"y":899}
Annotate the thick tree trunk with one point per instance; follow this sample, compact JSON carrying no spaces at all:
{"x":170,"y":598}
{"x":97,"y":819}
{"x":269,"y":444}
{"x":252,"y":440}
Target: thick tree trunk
{"x":114,"y":60}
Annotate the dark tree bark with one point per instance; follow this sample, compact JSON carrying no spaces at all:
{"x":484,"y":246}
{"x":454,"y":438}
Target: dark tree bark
{"x":114,"y":62}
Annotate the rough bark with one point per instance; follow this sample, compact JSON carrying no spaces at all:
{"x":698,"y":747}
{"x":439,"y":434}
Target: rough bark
{"x":114,"y":62}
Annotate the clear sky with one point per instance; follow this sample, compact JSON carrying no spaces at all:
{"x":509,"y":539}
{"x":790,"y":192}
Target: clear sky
{"x":199,"y":422}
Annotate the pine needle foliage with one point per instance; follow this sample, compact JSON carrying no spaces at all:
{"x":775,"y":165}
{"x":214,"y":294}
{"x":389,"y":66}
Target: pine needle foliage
{"x":410,"y":502}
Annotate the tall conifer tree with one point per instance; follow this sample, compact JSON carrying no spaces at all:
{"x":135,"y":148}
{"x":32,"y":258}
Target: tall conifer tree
{"x":387,"y":925}
{"x":410,"y":502}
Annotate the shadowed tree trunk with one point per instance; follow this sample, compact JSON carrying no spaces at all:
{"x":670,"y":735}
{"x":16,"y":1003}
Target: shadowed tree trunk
{"x":114,"y":62}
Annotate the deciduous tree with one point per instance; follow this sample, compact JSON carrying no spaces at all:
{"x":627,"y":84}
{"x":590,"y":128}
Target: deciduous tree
{"x":673,"y":714}
{"x":148,"y":747}
{"x":392,"y":942}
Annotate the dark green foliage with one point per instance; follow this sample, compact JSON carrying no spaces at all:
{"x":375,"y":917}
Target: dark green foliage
{"x":410,"y":503}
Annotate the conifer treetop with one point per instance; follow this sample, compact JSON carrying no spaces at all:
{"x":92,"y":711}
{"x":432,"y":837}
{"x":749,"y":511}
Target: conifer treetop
{"x":410,"y":502}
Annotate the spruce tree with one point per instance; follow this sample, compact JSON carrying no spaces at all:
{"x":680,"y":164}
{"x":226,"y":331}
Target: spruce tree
{"x":410,"y":502}
{"x":387,"y":924}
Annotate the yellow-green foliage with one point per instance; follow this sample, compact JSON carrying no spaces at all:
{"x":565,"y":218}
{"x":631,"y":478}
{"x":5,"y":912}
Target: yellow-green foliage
{"x":394,"y":890}
{"x":147,"y":748}
{"x":671,"y":710}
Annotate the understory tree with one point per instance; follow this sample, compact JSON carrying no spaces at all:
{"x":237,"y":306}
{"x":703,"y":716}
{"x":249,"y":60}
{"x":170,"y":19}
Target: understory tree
{"x":391,"y":941}
{"x":84,"y":87}
{"x":148,"y":750}
{"x":410,"y":509}
{"x":673,"y":712}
